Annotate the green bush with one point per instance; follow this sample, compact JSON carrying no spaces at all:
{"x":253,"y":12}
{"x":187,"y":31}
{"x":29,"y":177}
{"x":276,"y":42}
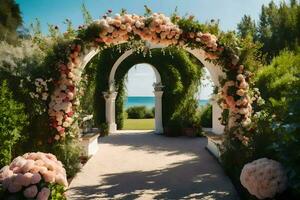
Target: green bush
{"x":136,"y":112}
{"x":103,"y":129}
{"x":206,"y":116}
{"x":69,"y":154}
{"x":279,"y":84}
{"x":149,"y":113}
{"x":12,"y":121}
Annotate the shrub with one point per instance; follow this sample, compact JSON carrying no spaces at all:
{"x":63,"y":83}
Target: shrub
{"x":279,"y":84}
{"x":103,"y":129}
{"x":69,"y":154}
{"x":206,"y":116}
{"x":149,"y":113}
{"x":12,"y":121}
{"x":137,"y":112}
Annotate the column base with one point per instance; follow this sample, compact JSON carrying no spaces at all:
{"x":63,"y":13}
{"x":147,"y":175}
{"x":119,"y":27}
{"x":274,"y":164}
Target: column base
{"x":112,"y":128}
{"x":159,"y":131}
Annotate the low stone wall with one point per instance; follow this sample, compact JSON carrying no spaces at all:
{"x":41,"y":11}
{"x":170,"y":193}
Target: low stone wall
{"x":89,"y":143}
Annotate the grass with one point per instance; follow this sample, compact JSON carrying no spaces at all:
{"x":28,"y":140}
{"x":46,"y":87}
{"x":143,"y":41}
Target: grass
{"x":138,"y":124}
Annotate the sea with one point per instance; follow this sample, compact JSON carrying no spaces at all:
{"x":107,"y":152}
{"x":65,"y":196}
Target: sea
{"x":149,"y":102}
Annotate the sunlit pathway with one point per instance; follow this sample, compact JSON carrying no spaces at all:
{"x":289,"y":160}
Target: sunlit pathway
{"x":142,"y":165}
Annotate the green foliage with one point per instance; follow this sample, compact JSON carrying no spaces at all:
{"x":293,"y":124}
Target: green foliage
{"x":139,"y":112}
{"x":86,"y":14}
{"x":278,"y":83}
{"x":12,"y":121}
{"x":10,"y":20}
{"x":275,"y":130}
{"x":120,"y":113}
{"x":57,"y":192}
{"x":68,"y":153}
{"x":103,"y":129}
{"x":206,"y":116}
{"x":278,"y":27}
{"x":246,"y":27}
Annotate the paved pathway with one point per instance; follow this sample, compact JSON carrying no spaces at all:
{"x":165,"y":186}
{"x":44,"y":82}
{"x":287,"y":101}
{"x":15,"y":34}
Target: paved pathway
{"x":142,"y":165}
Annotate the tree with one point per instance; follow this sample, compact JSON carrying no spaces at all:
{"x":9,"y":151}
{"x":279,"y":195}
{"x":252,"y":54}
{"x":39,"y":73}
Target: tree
{"x":278,"y":28}
{"x":10,"y":20}
{"x":247,"y":27}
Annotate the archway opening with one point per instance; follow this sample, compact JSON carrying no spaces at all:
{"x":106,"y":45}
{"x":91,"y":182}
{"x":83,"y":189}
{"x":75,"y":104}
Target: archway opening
{"x":205,"y":98}
{"x":140,"y":101}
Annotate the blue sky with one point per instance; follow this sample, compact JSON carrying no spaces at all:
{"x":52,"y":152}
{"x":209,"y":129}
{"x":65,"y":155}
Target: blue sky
{"x":229,"y":12}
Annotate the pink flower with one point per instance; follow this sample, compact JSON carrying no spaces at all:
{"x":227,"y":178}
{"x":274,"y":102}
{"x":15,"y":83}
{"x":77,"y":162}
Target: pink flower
{"x":22,"y":180}
{"x":18,"y":162}
{"x":28,"y":176}
{"x":5,"y":172}
{"x":43,"y":194}
{"x":13,"y":187}
{"x":31,"y":191}
{"x":51,"y":156}
{"x":36,"y":178}
{"x":49,"y":176}
{"x":60,"y":179}
{"x":28,"y":166}
{"x":230,"y":102}
{"x":35,"y":169}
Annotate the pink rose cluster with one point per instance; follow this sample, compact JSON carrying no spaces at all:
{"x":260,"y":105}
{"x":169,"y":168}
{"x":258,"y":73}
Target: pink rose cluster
{"x":27,"y":171}
{"x":264,"y":178}
{"x":63,"y":102}
{"x":156,"y":28}
{"x":241,"y":109}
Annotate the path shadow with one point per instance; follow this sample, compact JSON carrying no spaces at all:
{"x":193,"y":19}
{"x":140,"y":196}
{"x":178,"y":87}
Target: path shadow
{"x":183,"y":180}
{"x":152,"y":143}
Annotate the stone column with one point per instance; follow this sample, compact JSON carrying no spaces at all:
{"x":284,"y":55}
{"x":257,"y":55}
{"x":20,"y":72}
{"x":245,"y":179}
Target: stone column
{"x":217,"y":127}
{"x":110,"y":98}
{"x":158,"y":112}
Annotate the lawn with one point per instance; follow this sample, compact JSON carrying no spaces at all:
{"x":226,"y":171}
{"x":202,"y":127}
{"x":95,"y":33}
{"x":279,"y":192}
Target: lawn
{"x":138,"y":124}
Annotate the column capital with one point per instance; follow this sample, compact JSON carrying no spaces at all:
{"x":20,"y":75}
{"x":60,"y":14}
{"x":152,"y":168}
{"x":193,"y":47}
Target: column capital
{"x":110,"y":95}
{"x":158,"y":86}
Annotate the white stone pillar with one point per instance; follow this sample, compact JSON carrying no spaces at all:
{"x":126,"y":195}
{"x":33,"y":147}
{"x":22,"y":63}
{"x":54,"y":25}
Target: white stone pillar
{"x":110,"y":98}
{"x":158,"y":112}
{"x":217,"y":127}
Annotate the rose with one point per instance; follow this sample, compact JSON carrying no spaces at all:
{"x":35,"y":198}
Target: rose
{"x":43,"y":194}
{"x":30,"y":192}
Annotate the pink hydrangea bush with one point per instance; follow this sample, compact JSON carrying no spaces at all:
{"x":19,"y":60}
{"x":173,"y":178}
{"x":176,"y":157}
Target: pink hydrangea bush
{"x":33,"y":175}
{"x":264,"y":178}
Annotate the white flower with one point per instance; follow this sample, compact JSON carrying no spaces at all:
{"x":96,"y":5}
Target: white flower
{"x":44,"y":96}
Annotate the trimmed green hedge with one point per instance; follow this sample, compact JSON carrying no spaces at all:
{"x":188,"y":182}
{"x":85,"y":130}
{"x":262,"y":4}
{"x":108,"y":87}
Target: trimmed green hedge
{"x":139,"y":112}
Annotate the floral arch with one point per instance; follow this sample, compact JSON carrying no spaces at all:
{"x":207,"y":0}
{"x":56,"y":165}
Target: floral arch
{"x":143,"y":32}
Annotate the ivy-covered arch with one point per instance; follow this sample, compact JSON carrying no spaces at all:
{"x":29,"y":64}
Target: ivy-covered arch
{"x":214,"y":71}
{"x":180,"y":76}
{"x":139,"y":31}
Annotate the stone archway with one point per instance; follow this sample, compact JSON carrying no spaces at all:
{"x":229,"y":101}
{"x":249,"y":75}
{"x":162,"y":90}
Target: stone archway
{"x":221,"y":57}
{"x":111,"y":95}
{"x":214,"y":71}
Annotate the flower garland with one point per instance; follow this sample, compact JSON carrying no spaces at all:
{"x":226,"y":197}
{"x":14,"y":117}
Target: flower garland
{"x":157,"y":29}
